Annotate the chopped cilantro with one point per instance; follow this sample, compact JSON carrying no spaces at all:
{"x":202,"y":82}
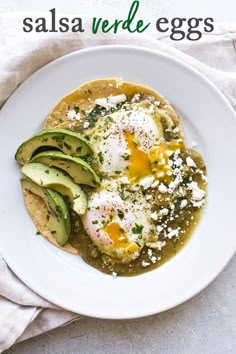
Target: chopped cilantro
{"x":76,"y":197}
{"x":100,"y":157}
{"x":105,"y":137}
{"x":108,"y":120}
{"x":95,"y":222}
{"x":121,"y":214}
{"x":135,"y":143}
{"x":76,"y":109}
{"x":125,"y":156}
{"x":137,"y":229}
{"x":47,"y":171}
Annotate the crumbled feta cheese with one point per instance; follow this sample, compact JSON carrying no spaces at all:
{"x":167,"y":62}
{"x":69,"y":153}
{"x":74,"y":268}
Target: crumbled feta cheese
{"x":115,"y":100}
{"x":203,"y":177}
{"x":159,"y":228}
{"x":174,"y":184}
{"x":103,"y":102}
{"x":124,"y":180}
{"x":178,"y":161}
{"x":155,"y":184}
{"x":114,"y":274}
{"x":153,"y":259}
{"x":86,"y":125}
{"x":183,"y":203}
{"x":146,"y":182}
{"x":154,"y":215}
{"x":164,"y":211}
{"x":73,"y":115}
{"x":160,"y":245}
{"x":162,"y":188}
{"x":148,"y":197}
{"x":111,"y":101}
{"x":198,"y":203}
{"x":145,"y":264}
{"x":136,"y":98}
{"x":156,"y":245}
{"x":190,"y":162}
{"x":149,"y":252}
{"x":173,"y":233}
{"x":197,"y":193}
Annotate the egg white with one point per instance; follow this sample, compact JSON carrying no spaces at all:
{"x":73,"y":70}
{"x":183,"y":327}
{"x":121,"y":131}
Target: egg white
{"x":108,"y":138}
{"x":106,"y":206}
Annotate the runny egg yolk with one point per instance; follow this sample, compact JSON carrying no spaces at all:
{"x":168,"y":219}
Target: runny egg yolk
{"x":116,"y":234}
{"x":139,"y":165}
{"x":159,"y":158}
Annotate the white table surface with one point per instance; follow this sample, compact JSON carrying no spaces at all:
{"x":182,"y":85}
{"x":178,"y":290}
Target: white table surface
{"x":204,"y":324}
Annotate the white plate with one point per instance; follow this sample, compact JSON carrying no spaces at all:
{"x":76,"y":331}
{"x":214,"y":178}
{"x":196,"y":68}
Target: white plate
{"x":65,"y":279}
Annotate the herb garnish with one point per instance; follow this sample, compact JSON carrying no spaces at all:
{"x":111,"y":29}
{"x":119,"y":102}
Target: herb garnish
{"x":125,"y":156}
{"x":121,"y":214}
{"x":76,"y":109}
{"x":108,"y":120}
{"x":100,"y":157}
{"x":138,"y":229}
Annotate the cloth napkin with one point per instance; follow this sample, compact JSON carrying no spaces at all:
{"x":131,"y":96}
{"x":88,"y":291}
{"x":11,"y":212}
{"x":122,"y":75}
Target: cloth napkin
{"x":23,"y":313}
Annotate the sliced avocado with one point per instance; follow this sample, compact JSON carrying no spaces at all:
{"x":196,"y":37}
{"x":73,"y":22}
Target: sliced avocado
{"x":59,"y":218}
{"x":77,"y":168}
{"x":52,"y":177}
{"x":68,"y":142}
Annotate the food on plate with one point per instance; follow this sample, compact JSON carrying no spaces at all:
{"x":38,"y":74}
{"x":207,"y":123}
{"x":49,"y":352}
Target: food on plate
{"x":115,"y":152}
{"x":78,"y":169}
{"x":50,"y":177}
{"x":58,"y":217}
{"x":64,"y":140}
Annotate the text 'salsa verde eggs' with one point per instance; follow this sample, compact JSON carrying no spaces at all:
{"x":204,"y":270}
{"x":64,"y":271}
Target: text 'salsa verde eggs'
{"x":110,"y":177}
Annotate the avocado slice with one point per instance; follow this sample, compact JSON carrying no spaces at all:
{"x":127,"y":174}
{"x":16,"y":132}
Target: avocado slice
{"x":59,"y":219}
{"x":78,"y":169}
{"x":52,"y":177}
{"x":68,"y":142}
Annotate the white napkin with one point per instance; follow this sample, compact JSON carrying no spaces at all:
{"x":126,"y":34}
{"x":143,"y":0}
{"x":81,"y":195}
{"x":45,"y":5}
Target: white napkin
{"x":23,"y":313}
